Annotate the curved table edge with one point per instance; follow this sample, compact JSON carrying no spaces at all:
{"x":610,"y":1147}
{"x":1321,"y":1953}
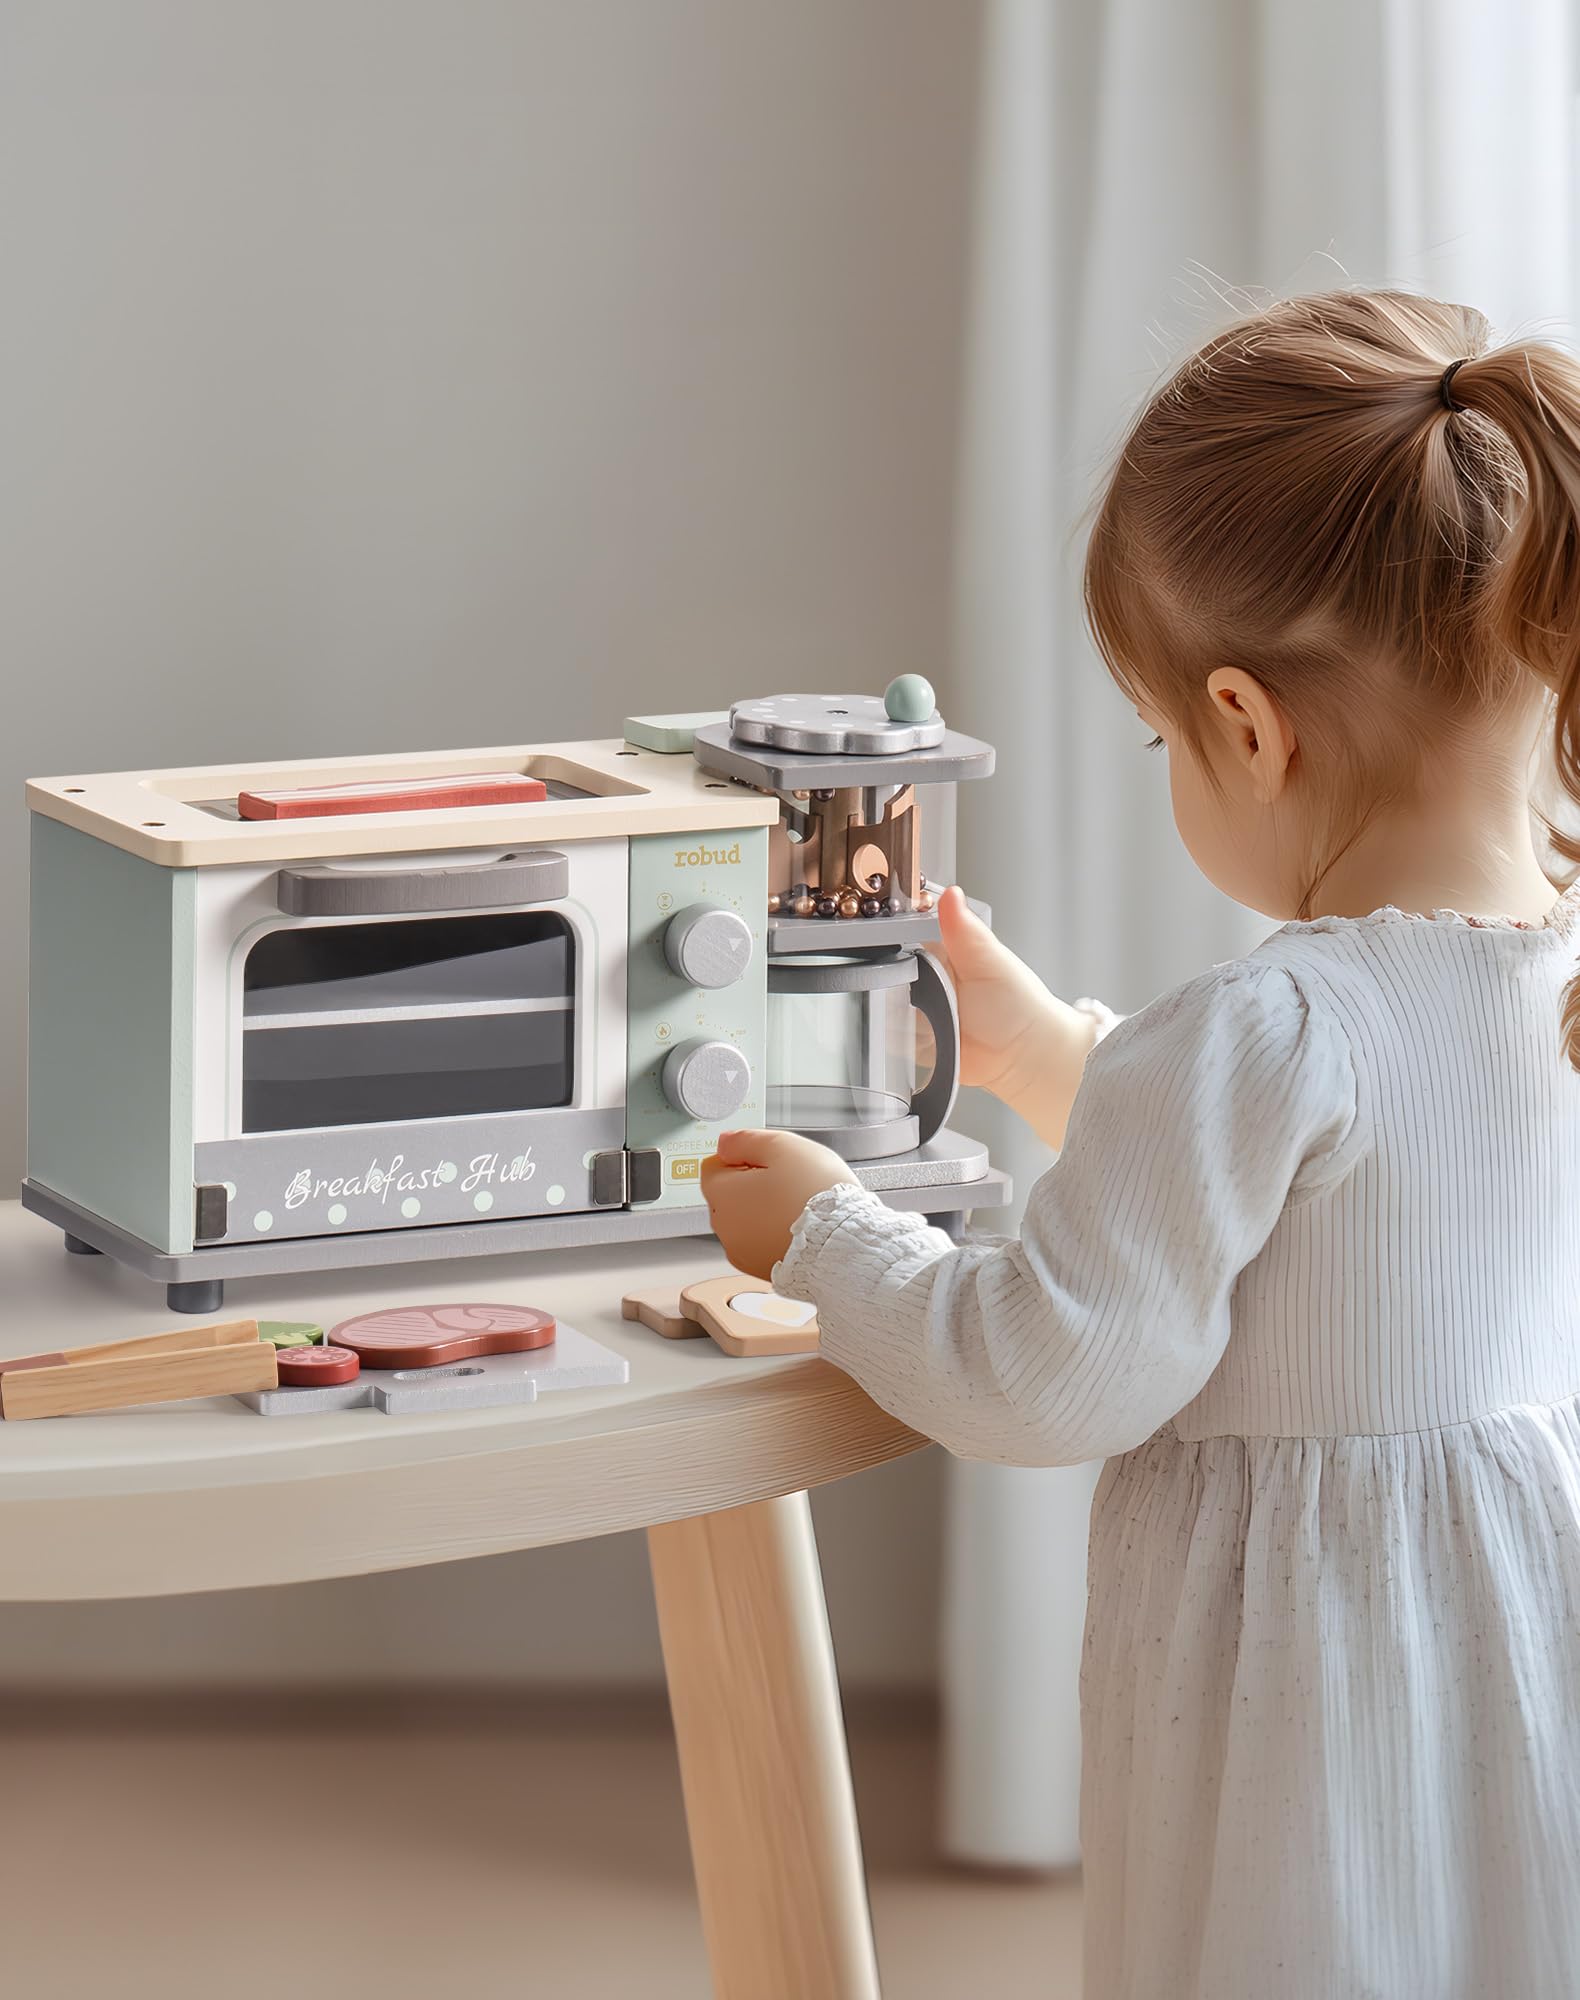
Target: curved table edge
{"x":802,"y":1429}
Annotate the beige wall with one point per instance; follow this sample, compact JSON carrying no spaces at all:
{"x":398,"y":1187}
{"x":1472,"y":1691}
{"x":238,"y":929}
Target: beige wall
{"x":377,"y":374}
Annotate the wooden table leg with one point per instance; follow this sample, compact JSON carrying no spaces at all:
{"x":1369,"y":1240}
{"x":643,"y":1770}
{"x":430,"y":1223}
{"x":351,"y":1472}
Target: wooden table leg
{"x":762,"y":1754}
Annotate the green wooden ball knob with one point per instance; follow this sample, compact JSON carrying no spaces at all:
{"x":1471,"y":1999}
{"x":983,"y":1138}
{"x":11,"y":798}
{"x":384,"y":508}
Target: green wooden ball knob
{"x":908,"y":698}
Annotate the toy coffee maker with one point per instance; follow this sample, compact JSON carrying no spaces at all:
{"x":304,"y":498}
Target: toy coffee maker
{"x":862,"y":1029}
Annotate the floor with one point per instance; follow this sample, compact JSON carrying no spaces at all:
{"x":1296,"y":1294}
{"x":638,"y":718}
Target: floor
{"x":453,"y":1847}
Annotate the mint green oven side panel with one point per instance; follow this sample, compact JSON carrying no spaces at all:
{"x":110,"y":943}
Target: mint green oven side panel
{"x":668,"y":872}
{"x":109,"y":1060}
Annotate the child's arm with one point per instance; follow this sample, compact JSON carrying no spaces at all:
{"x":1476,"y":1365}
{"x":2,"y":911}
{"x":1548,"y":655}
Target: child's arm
{"x":1109,"y":1313}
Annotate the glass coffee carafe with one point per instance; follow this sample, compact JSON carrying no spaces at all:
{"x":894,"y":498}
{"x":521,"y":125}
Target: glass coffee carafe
{"x":861,"y":1049}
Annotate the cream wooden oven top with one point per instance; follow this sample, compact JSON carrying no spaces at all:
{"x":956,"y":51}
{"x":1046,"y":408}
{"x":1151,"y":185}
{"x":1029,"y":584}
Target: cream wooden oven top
{"x":185,"y":818}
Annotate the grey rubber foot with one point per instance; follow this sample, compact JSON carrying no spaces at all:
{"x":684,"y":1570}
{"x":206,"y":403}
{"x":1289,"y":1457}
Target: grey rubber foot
{"x":199,"y":1295}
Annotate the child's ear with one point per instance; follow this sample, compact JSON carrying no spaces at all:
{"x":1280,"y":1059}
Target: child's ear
{"x":1253,"y":728}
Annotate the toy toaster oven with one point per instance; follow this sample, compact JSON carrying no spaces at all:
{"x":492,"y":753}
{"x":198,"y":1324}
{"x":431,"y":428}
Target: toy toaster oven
{"x":287,"y":1018}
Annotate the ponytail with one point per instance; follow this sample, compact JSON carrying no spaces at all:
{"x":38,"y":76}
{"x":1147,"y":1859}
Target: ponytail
{"x":1345,"y":495}
{"x":1530,"y":392}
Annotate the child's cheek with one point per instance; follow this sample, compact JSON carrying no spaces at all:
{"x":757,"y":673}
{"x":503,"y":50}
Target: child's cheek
{"x":1221,"y":833}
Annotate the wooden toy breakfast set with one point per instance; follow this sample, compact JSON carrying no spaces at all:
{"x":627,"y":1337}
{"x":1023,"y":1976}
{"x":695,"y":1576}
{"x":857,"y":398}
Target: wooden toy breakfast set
{"x":297,"y":1017}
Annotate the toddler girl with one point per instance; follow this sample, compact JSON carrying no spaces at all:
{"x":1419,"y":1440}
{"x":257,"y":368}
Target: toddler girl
{"x":1307,"y":1270}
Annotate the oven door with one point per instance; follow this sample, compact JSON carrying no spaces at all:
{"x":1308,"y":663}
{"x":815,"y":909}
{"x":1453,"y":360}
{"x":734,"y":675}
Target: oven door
{"x":398,"y":1042}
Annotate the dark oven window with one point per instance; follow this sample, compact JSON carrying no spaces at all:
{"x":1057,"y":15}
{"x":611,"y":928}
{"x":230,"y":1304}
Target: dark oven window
{"x":435,"y":1017}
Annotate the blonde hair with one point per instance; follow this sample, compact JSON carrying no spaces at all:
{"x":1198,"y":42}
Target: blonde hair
{"x":1308,"y":499}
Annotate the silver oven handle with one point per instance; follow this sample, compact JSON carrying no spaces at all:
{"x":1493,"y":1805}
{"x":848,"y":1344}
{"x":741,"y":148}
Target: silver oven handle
{"x":539,"y":875}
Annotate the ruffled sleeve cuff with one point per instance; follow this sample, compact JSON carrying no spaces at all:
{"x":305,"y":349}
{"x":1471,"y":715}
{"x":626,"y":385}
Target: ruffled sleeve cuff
{"x":836,"y":1212}
{"x":1104,"y":1018}
{"x":849,"y":1256}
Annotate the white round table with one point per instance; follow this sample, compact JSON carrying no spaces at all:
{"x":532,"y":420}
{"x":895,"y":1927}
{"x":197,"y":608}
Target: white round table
{"x":711,"y":1455}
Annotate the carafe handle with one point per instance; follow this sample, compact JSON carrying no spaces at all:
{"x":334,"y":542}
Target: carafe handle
{"x":933,"y":997}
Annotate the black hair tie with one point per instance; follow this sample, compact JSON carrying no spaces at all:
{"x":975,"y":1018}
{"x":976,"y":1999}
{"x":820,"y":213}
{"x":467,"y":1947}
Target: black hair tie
{"x":1445,"y":387}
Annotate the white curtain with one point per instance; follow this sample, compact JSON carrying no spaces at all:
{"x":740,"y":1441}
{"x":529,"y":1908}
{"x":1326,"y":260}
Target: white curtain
{"x":1135,"y":158}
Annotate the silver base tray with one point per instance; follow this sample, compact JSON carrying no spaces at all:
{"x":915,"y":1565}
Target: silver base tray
{"x":945,"y":1177}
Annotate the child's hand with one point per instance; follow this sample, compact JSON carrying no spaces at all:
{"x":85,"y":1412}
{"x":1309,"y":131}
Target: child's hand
{"x":1002,"y":1001}
{"x":756,"y":1186}
{"x":1016,"y":1039}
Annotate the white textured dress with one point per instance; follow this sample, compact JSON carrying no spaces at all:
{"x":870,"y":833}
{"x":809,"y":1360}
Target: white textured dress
{"x":1308,"y":1273}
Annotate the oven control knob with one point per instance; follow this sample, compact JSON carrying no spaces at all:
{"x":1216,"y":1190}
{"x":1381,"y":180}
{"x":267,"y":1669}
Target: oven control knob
{"x":706,"y":1080}
{"x":708,"y":946}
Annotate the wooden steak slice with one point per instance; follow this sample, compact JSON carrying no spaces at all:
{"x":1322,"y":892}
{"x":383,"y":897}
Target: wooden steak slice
{"x":430,"y":1336}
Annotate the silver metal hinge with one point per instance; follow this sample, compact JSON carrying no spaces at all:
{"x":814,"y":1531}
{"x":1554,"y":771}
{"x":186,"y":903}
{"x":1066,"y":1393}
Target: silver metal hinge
{"x":210,"y":1212}
{"x":644,"y":1174}
{"x":622,"y":1176}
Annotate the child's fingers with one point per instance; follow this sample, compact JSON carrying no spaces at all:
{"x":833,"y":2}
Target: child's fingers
{"x":723,"y":1170}
{"x":729,"y":1208}
{"x":965,"y":936}
{"x":957,"y":927}
{"x":966,"y":944}
{"x":747,"y":1149}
